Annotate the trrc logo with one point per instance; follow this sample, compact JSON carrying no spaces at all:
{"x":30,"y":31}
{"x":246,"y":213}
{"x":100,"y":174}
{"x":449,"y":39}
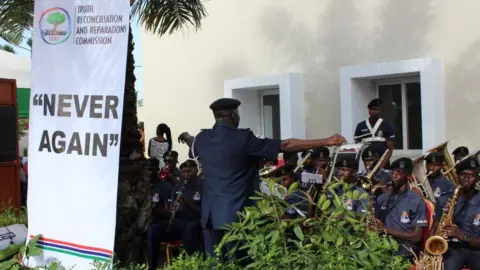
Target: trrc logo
{"x":55,"y":26}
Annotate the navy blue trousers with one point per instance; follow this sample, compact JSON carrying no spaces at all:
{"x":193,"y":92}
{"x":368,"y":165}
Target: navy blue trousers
{"x":190,"y":232}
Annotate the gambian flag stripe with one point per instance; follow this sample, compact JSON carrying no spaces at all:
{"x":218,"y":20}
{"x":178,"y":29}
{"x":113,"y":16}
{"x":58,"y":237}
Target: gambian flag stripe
{"x":74,"y":249}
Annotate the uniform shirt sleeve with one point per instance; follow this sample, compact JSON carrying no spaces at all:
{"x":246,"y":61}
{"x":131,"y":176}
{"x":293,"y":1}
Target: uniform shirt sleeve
{"x":296,"y":199}
{"x":357,"y":130}
{"x":419,"y":218}
{"x":378,"y":205}
{"x":388,"y":132}
{"x":262,"y":148}
{"x":193,"y":154}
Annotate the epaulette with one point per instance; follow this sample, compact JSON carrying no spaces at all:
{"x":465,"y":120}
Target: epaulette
{"x":243,"y":129}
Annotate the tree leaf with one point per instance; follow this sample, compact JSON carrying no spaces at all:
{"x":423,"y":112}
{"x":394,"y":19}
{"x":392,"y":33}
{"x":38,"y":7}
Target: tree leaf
{"x":35,"y":251}
{"x":298,"y":232}
{"x":356,"y":194}
{"x":326,"y":205}
{"x":339,"y":241}
{"x":363,"y":196}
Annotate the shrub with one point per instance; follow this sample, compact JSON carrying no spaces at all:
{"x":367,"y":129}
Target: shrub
{"x":337,"y":239}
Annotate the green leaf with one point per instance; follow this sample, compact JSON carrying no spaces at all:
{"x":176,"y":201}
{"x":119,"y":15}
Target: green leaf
{"x":326,"y":205}
{"x":363,"y":196}
{"x":356,"y":194}
{"x":293,"y":187}
{"x":339,"y":241}
{"x":349,"y":194}
{"x":298,"y":232}
{"x":35,"y":251}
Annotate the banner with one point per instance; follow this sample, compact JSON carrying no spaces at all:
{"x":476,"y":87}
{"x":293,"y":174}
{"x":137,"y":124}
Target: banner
{"x":78,"y":79}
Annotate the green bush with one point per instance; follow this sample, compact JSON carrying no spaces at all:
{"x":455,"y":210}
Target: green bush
{"x":337,"y":239}
{"x":10,"y":216}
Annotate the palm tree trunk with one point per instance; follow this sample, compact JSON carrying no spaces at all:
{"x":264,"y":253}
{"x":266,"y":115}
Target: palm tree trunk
{"x":134,"y":188}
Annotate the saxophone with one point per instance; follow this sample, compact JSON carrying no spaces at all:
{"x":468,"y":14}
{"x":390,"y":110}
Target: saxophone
{"x":371,"y":222}
{"x":437,"y":244}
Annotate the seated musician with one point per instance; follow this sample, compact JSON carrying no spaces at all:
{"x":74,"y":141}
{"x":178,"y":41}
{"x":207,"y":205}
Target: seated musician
{"x":347,"y":169}
{"x":297,"y":198}
{"x":401,"y":211}
{"x":270,"y":163}
{"x":185,"y":224}
{"x":370,"y":157}
{"x":441,"y":186}
{"x":459,"y":153}
{"x":465,"y":230}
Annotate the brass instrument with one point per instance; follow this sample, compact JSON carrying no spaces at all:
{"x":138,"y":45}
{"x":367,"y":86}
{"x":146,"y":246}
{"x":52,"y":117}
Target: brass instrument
{"x":366,"y":182}
{"x":420,"y":179}
{"x":448,"y":169}
{"x":437,"y":244}
{"x":266,"y":171}
{"x":309,"y":153}
{"x":371,"y":221}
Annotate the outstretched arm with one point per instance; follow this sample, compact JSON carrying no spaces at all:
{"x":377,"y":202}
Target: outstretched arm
{"x":295,"y":145}
{"x":186,"y":138}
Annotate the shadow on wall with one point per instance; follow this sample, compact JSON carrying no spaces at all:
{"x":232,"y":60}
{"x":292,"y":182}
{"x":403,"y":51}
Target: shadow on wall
{"x":225,"y":71}
{"x":340,"y":40}
{"x":463,"y":96}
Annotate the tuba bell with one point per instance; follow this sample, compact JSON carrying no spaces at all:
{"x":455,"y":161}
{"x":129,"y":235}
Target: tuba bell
{"x":420,"y":179}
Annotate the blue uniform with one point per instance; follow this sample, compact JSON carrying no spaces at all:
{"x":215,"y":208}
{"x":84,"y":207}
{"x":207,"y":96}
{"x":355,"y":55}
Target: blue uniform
{"x":359,"y":206}
{"x":229,"y":158}
{"x":383,"y":176}
{"x":403,"y":212}
{"x":300,"y":201}
{"x":442,"y":187}
{"x":467,"y":218}
{"x":185,"y":226}
{"x":384,"y":131}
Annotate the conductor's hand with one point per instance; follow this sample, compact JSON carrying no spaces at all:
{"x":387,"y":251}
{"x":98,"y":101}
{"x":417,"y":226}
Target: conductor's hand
{"x":336,"y":139}
{"x":183,"y":138}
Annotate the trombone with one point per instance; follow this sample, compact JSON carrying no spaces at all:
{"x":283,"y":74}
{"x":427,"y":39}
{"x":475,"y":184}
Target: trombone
{"x":365,"y":182}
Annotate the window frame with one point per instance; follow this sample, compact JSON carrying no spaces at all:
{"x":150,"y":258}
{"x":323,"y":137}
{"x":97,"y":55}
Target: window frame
{"x":260,"y":95}
{"x":403,"y":82}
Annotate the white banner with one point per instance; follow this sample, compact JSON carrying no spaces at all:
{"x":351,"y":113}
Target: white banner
{"x":78,"y":80}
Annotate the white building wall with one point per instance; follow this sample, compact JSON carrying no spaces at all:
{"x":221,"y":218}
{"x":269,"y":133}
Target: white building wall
{"x":16,"y":67}
{"x":185,"y":72}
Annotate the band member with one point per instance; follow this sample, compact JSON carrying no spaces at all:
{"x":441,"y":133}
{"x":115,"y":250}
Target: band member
{"x":459,"y":153}
{"x":347,"y":169}
{"x":297,"y":198}
{"x":271,"y":163}
{"x":465,"y":230}
{"x":323,"y":159}
{"x":308,"y":166}
{"x":185,"y":224}
{"x":229,"y":158}
{"x":376,"y":131}
{"x":401,"y":211}
{"x":370,"y":157}
{"x":441,"y":186}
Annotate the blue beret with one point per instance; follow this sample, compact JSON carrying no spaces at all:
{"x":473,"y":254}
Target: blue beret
{"x":376,"y":102}
{"x":402,"y":163}
{"x":462,"y":151}
{"x":435,"y":157}
{"x":370,"y":151}
{"x":347,"y":161}
{"x":468,"y":163}
{"x":224,"y":104}
{"x":321,"y":152}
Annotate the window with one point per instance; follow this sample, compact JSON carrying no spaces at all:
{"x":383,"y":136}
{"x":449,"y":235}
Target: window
{"x":270,"y":113}
{"x":402,"y":108}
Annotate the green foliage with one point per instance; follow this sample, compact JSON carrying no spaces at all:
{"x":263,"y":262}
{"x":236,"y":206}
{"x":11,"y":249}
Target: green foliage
{"x":10,"y":216}
{"x":337,"y":239}
{"x":56,"y":18}
{"x":16,"y":18}
{"x":22,"y":127}
{"x":166,"y":17}
{"x":7,"y":48}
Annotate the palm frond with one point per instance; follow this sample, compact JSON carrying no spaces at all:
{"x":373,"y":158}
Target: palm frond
{"x":7,"y":48}
{"x":16,"y":17}
{"x":167,"y":16}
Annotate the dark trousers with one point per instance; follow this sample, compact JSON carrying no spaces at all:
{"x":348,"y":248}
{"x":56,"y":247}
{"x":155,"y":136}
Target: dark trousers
{"x":189,"y":231}
{"x":213,"y":237}
{"x":459,"y":255}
